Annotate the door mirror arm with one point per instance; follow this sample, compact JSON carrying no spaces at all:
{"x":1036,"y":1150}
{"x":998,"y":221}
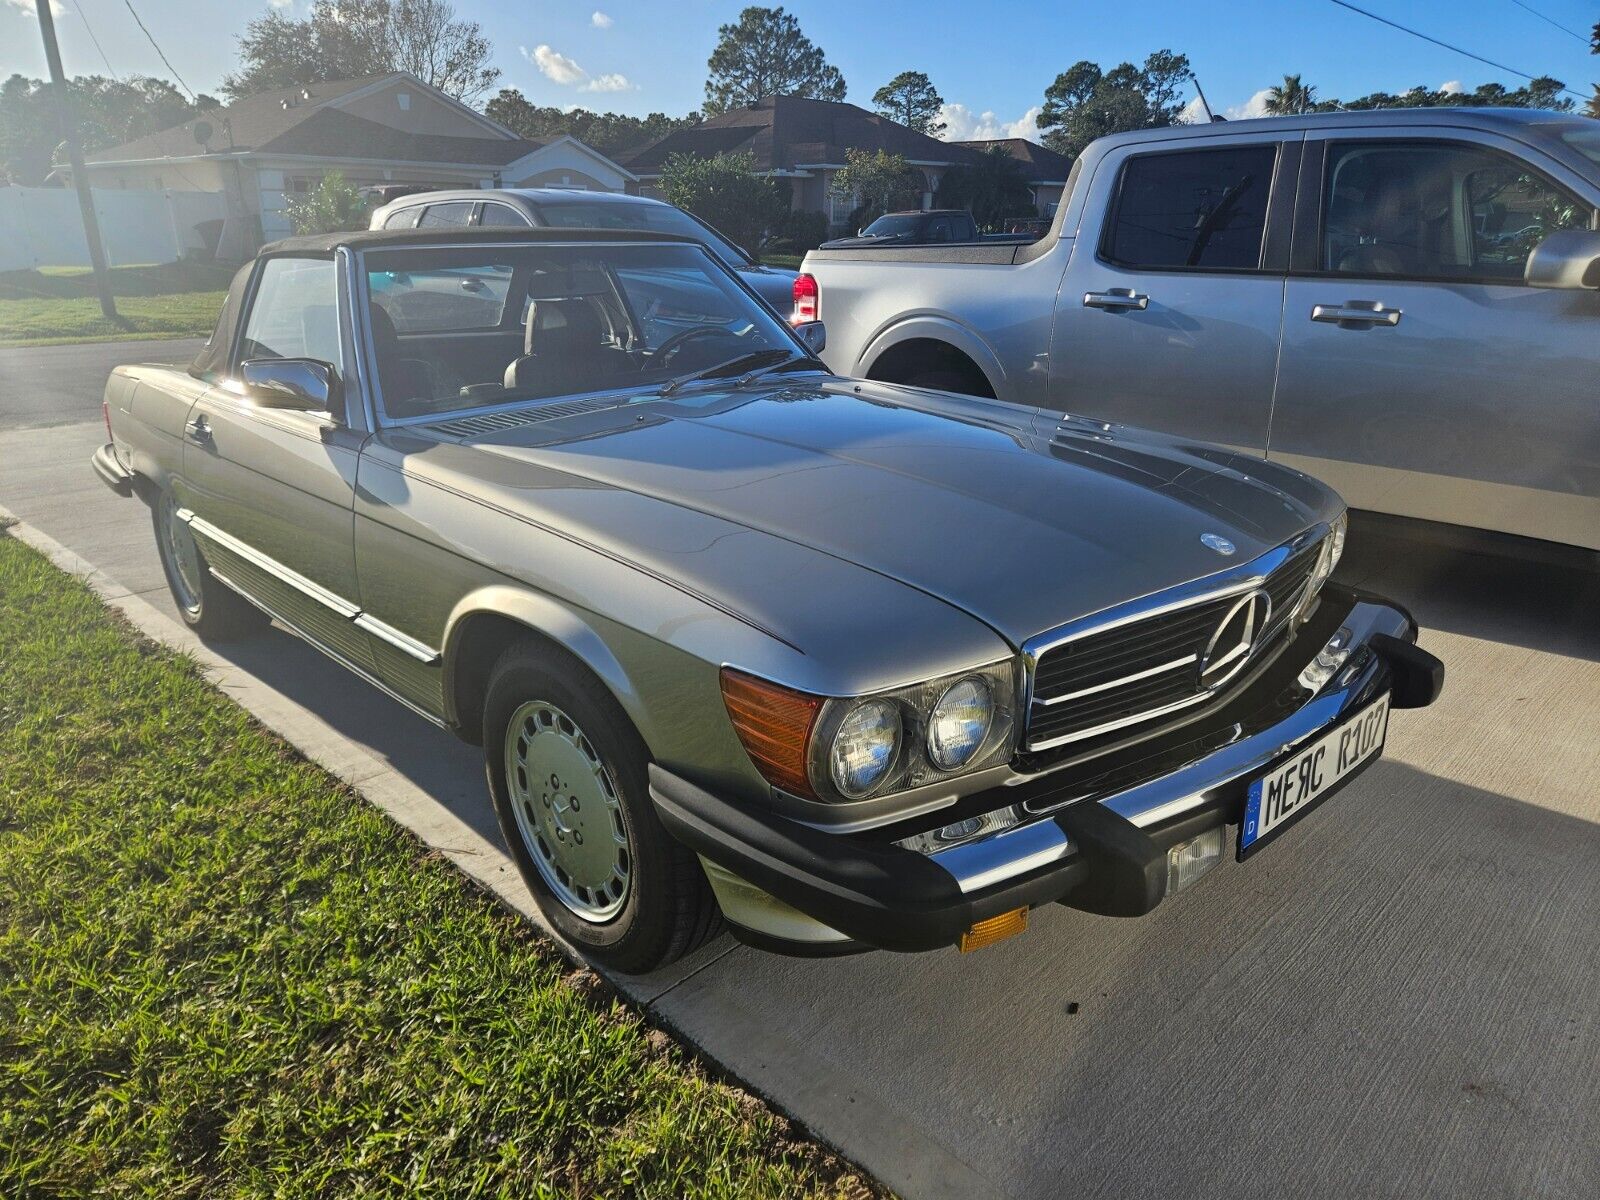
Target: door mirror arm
{"x":296,"y":384}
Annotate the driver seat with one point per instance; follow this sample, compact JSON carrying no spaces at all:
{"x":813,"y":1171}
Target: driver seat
{"x":565,"y":345}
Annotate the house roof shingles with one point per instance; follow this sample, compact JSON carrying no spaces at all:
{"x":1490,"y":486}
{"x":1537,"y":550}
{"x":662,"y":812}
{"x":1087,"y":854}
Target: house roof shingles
{"x":261,"y":124}
{"x":784,"y":132}
{"x":1042,"y":163}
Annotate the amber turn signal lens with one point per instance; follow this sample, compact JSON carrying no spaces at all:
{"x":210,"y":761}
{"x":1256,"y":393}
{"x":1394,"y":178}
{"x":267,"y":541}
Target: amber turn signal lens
{"x":774,"y":725}
{"x":995,"y":929}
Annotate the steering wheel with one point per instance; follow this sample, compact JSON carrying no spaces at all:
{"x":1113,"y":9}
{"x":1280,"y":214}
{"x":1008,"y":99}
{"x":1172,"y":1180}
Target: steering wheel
{"x":664,"y":352}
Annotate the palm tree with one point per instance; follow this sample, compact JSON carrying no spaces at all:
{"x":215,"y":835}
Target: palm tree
{"x":1594,"y":102}
{"x":1292,"y":99}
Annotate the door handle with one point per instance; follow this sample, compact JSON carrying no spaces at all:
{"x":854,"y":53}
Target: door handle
{"x":1356,"y":312}
{"x":198,"y":430}
{"x":1115,"y":299}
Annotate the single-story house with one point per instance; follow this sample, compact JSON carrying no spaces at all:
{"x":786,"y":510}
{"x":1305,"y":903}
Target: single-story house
{"x":393,"y":128}
{"x":1046,"y":171}
{"x":804,"y":141}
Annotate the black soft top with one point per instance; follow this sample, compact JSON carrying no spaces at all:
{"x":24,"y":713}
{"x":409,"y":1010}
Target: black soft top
{"x":375,"y":239}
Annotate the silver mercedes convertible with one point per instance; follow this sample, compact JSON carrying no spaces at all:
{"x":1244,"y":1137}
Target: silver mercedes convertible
{"x":840,"y":664}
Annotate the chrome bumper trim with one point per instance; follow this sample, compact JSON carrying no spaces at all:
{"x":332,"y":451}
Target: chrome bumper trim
{"x":994,"y":858}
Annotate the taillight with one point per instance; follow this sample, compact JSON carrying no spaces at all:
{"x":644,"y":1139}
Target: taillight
{"x":805,"y":299}
{"x":774,"y":725}
{"x":105,"y":411}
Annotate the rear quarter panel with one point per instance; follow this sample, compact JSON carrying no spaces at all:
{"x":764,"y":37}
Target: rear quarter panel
{"x":148,"y":407}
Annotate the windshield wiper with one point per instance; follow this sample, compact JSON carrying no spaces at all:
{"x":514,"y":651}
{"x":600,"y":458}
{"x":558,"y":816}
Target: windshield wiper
{"x":755,"y":363}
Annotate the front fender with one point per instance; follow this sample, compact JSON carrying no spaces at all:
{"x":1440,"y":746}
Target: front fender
{"x":550,"y":619}
{"x":934,"y":327}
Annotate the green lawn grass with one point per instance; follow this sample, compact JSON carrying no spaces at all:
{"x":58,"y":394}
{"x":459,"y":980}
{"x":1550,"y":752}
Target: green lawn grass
{"x":56,"y":305}
{"x":223,"y":974}
{"x":791,"y":261}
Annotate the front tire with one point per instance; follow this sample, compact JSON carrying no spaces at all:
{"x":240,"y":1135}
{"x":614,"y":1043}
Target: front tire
{"x":566,"y":772}
{"x":208,"y":606}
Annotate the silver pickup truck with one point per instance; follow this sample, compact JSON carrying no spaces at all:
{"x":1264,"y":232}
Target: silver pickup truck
{"x":1401,"y":303}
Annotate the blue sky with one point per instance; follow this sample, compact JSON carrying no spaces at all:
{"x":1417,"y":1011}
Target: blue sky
{"x":991,"y":58}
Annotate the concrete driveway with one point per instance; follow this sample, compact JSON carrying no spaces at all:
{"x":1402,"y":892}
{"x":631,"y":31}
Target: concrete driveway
{"x":1398,"y":999}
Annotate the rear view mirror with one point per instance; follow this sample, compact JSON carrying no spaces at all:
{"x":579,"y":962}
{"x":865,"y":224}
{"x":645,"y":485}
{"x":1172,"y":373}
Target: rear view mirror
{"x":1568,"y":259}
{"x":814,"y":334}
{"x":293,"y":383}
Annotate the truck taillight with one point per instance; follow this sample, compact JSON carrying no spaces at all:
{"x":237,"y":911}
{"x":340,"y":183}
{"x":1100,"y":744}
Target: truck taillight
{"x":805,"y":299}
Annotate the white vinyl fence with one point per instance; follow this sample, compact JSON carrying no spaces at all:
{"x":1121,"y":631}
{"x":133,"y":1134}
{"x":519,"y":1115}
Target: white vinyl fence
{"x":41,"y":227}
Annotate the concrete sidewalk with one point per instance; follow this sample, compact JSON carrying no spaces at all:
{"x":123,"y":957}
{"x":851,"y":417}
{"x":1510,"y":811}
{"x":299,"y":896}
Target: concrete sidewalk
{"x":1396,"y":1000}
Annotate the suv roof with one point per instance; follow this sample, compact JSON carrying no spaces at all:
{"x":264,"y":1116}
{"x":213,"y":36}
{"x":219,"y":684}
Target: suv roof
{"x":537,"y":195}
{"x":365,"y":239}
{"x":1509,"y":119}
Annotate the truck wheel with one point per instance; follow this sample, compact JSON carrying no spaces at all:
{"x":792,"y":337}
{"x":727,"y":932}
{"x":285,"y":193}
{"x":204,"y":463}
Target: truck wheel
{"x":208,"y":606}
{"x":566,"y":772}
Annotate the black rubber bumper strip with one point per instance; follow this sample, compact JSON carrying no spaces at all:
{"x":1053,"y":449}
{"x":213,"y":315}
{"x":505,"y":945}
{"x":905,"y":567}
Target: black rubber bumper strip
{"x":880,"y":895}
{"x":112,"y":473}
{"x":1418,"y":677}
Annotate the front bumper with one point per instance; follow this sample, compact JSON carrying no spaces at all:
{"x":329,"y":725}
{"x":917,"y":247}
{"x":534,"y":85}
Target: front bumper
{"x":1093,"y":837}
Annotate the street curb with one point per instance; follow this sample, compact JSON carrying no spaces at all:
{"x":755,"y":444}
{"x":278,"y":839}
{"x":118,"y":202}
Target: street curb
{"x":852,"y":1124}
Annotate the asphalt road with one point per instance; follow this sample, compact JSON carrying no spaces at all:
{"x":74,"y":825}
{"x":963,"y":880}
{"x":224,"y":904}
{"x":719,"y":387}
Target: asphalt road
{"x":1396,"y":1000}
{"x":62,"y":385}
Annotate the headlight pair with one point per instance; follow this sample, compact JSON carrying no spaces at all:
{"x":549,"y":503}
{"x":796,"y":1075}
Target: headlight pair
{"x":855,"y":748}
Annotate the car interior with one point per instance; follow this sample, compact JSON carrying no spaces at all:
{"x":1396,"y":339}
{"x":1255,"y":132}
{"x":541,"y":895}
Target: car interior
{"x":545,"y":322}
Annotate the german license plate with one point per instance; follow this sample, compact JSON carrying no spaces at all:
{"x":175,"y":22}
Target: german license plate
{"x":1308,"y":777}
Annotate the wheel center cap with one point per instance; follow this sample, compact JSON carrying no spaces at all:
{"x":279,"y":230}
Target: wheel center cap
{"x":562,"y":813}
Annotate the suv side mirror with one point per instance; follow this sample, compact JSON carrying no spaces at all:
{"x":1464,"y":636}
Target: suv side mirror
{"x":1568,"y":259}
{"x":814,"y":334}
{"x":302,"y":384}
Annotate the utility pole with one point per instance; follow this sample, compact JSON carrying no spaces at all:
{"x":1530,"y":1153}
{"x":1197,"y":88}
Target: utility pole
{"x":80,"y":177}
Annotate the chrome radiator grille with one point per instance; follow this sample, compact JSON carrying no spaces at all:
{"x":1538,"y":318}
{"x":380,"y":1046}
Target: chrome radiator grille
{"x":1122,"y":673}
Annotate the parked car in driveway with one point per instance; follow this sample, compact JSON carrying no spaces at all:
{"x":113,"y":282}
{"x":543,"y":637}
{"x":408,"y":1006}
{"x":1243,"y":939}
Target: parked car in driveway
{"x":565,"y":208}
{"x":1403,"y":303}
{"x":847,"y":664}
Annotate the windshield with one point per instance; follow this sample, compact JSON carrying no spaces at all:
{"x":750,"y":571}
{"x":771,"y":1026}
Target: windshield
{"x":889,"y":226}
{"x":619,"y":214}
{"x":469,"y":327}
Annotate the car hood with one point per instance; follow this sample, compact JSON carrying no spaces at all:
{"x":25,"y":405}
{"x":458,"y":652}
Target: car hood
{"x":1021,"y":518}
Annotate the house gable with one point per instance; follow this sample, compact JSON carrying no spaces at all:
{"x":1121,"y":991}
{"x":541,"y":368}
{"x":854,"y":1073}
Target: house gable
{"x":406,"y":103}
{"x":565,"y":156}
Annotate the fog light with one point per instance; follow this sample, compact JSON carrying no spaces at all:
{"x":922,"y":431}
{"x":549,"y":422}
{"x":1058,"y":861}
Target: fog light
{"x":995,"y":929}
{"x":1187,"y":861}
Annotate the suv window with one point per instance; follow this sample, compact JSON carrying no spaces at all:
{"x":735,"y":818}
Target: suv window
{"x":1197,"y":209}
{"x":1437,"y":210}
{"x":503,"y":215}
{"x":405,"y":218}
{"x":455,"y":213}
{"x":295,"y":312}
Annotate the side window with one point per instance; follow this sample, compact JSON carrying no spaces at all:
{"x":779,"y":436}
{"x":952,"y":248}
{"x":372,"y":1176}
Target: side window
{"x":1192,"y":209}
{"x":1437,"y":210}
{"x":442,"y":301}
{"x":294,"y":313}
{"x":939,"y":230}
{"x":455,"y":214}
{"x":406,"y":218}
{"x":503,"y":215}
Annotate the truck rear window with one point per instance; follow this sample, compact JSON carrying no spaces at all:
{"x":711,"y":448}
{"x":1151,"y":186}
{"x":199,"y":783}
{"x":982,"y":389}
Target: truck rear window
{"x":1194,"y":209}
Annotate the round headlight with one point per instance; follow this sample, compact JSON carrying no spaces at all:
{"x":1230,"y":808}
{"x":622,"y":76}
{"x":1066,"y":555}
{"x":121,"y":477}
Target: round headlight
{"x":864,"y":747}
{"x":959,"y":723}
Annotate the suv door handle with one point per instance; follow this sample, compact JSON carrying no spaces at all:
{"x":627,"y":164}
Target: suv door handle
{"x":1116,"y":298}
{"x":198,"y":430}
{"x":1356,"y":312}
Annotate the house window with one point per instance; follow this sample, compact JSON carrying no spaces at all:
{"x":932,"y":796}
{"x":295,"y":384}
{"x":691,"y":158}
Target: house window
{"x":404,"y":99}
{"x":299,"y":185}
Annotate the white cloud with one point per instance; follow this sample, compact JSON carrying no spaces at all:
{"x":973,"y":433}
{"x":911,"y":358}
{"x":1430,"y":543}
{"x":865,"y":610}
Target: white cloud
{"x":554,"y":65}
{"x":27,"y":9}
{"x":280,"y":5}
{"x":601,"y":21}
{"x":608,"y":83}
{"x":961,"y":124}
{"x":1194,"y":113}
{"x":1452,"y":87}
{"x":1256,"y":106}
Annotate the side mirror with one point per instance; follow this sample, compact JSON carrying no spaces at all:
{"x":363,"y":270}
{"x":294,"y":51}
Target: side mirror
{"x":814,"y":334}
{"x":1568,"y":259}
{"x":302,"y":384}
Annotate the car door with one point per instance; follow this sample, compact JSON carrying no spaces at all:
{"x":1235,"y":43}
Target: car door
{"x":272,"y":490}
{"x":1169,"y":313}
{"x":1420,"y":376}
